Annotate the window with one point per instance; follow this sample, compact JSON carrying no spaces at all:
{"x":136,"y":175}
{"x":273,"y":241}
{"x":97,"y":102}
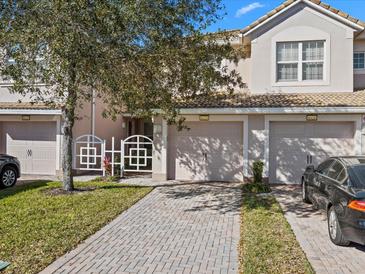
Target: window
{"x":342,"y":176}
{"x":287,"y":56}
{"x":357,"y":175}
{"x":300,"y":61}
{"x":324,"y":167}
{"x":335,"y":171}
{"x":359,"y":60}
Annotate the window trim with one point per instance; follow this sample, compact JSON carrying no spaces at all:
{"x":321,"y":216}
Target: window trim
{"x":315,"y":36}
{"x":300,"y":62}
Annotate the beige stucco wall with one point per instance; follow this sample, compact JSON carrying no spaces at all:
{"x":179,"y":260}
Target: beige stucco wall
{"x":7,"y":96}
{"x":256,"y":139}
{"x":105,"y":128}
{"x":243,"y":67}
{"x":359,"y":75}
{"x":159,"y":160}
{"x":300,"y":24}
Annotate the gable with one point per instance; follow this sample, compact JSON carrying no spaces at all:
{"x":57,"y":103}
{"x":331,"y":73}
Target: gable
{"x":291,"y":7}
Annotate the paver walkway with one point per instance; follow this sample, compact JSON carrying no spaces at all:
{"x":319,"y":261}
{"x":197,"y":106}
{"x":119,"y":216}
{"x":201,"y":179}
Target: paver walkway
{"x":191,"y":228}
{"x":310,"y":228}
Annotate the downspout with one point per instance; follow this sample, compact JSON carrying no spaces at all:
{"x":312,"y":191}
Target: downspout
{"x":93,"y":114}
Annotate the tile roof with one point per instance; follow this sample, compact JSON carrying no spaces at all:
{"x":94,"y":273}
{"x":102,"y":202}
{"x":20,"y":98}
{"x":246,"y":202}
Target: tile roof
{"x":289,"y":2}
{"x":24,"y":105}
{"x":273,"y":100}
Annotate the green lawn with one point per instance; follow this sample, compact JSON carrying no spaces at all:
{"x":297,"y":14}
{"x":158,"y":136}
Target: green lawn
{"x":268,"y":244}
{"x":36,"y":228}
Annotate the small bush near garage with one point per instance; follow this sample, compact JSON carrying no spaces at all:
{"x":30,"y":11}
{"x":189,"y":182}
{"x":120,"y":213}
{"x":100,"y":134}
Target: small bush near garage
{"x":257,"y":185}
{"x":256,"y":188}
{"x":268,"y":244}
{"x":36,"y":227}
{"x":257,"y":170}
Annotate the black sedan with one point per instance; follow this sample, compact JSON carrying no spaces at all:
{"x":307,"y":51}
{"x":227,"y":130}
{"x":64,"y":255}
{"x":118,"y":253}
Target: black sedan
{"x":338,"y":186}
{"x":9,"y":170}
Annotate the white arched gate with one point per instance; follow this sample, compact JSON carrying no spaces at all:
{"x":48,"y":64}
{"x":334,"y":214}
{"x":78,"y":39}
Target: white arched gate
{"x":137,"y":154}
{"x":134,"y":154}
{"x":88,"y":151}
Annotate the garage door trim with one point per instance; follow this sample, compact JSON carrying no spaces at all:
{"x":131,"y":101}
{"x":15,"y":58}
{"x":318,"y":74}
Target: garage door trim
{"x":224,"y":118}
{"x":357,"y":119}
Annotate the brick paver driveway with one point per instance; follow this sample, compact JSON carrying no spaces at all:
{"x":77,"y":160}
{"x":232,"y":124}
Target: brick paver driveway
{"x":310,"y":228}
{"x":190,"y":228}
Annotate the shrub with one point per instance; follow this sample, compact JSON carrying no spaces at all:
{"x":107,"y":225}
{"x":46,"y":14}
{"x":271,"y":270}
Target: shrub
{"x":107,"y":166}
{"x":257,"y":185}
{"x":257,"y":170}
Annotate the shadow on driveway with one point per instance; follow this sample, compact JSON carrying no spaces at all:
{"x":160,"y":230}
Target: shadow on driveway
{"x":290,"y":198}
{"x":218,"y":196}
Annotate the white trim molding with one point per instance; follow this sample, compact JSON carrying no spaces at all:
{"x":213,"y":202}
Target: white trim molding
{"x":356,"y":118}
{"x":59,"y":140}
{"x":30,"y":111}
{"x":278,"y":110}
{"x":164,"y":147}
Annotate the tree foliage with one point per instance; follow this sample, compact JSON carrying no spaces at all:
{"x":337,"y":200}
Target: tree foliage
{"x":140,"y":54}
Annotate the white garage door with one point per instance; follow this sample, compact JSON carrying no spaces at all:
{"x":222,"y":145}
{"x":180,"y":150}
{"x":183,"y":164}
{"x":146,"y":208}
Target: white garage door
{"x":294,"y":144}
{"x":209,"y":151}
{"x":34,"y":144}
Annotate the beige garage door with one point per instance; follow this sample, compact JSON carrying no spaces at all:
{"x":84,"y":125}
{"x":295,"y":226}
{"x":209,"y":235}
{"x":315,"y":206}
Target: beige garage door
{"x":295,"y":144}
{"x":34,"y":143}
{"x":209,"y":151}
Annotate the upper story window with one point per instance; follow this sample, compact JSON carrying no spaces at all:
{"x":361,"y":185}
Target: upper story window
{"x":300,"y":61}
{"x":359,"y":60}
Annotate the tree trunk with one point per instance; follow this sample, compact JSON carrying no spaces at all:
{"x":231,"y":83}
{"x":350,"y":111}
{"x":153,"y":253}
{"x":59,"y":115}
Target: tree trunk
{"x":68,"y":115}
{"x":68,"y":184}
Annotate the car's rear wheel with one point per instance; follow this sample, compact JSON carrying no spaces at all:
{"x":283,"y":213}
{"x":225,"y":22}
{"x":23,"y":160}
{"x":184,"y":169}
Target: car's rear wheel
{"x":305,"y":192}
{"x":334,"y":229}
{"x":8,"y":177}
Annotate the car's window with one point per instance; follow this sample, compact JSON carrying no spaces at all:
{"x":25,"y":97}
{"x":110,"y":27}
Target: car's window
{"x":342,"y":176}
{"x":335,"y":170}
{"x":324,"y":167}
{"x":357,"y":175}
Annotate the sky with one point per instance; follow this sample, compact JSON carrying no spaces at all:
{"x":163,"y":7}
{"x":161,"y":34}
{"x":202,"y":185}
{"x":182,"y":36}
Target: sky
{"x":241,"y":13}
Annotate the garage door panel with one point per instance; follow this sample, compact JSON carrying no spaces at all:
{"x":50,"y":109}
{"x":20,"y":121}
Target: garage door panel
{"x":208,"y":151}
{"x":34,"y":144}
{"x":334,"y":130}
{"x":288,"y":129}
{"x":289,"y":149}
{"x":43,"y":157}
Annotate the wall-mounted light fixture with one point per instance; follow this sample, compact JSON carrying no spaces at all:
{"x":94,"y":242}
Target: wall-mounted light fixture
{"x":204,"y":117}
{"x":311,"y":117}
